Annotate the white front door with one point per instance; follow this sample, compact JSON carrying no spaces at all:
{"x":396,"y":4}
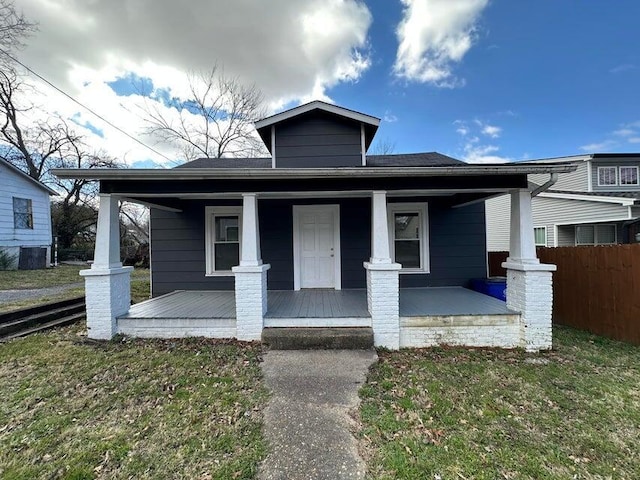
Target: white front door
{"x":316,"y":246}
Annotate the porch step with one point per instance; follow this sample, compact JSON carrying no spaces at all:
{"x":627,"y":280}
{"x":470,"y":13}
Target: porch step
{"x":318,"y":338}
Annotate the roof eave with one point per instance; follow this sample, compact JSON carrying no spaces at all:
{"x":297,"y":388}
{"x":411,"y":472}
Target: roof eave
{"x":268,"y":173}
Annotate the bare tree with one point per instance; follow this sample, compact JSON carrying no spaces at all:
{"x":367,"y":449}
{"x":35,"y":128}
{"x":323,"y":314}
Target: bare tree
{"x":14,"y":29}
{"x":383,"y":147}
{"x":32,"y":147}
{"x":216,"y":121}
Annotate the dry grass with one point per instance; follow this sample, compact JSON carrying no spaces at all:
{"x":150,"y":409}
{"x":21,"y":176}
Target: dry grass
{"x":76,"y":409}
{"x":488,"y":414}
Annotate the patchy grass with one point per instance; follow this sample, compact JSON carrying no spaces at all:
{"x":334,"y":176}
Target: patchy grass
{"x":140,"y":286}
{"x":488,"y":414}
{"x":48,"y":277}
{"x":76,"y":409}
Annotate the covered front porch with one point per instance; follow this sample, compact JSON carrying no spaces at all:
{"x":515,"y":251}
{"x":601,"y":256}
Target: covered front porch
{"x":428,"y":316}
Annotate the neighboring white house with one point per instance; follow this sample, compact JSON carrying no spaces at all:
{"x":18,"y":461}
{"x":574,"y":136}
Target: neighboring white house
{"x":597,"y":204}
{"x":25,"y":212}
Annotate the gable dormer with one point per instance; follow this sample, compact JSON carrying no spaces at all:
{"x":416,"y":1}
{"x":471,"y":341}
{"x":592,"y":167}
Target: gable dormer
{"x":317,"y":135}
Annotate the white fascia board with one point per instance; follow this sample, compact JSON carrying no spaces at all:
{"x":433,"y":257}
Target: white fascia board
{"x":288,"y":173}
{"x":590,"y":198}
{"x":317,"y":104}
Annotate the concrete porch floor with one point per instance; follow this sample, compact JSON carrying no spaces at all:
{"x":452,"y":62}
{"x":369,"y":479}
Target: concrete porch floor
{"x":320,"y":303}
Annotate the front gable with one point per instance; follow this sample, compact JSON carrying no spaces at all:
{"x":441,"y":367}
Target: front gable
{"x":318,"y":135}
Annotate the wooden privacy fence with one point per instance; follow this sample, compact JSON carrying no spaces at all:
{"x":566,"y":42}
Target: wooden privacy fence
{"x":595,"y":288}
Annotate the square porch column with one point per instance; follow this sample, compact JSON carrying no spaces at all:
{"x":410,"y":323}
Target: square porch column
{"x":250,"y":275}
{"x":383,"y":286}
{"x":529,"y":282}
{"x":107,"y":282}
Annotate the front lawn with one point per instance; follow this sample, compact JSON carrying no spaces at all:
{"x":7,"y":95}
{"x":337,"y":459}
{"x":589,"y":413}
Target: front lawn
{"x":59,"y":276}
{"x":75,"y":409}
{"x":489,"y":414}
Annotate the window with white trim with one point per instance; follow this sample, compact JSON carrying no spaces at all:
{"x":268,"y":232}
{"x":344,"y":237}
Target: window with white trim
{"x":607,"y":176}
{"x":604,"y":234}
{"x":629,"y":175}
{"x":223,"y":236}
{"x":22,"y":213}
{"x":540,"y":236}
{"x":408,"y":232}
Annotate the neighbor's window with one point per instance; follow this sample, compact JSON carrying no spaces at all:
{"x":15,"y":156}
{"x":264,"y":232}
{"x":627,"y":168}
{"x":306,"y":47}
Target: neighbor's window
{"x":408,"y":232}
{"x":596,"y":234}
{"x":223,"y":239}
{"x":607,"y":176}
{"x":628,"y":175}
{"x":22,"y":213}
{"x":540,"y":235}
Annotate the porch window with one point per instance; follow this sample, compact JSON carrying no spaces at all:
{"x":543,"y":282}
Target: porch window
{"x":607,"y":176}
{"x":540,"y":235}
{"x":408,"y":232}
{"x":22,"y":213}
{"x":596,"y":234}
{"x":223,"y":239}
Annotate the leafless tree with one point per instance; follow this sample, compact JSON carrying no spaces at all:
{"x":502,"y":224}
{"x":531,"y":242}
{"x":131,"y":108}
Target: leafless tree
{"x":30,"y":147}
{"x":216,"y":121}
{"x":383,"y":147}
{"x":14,"y":29}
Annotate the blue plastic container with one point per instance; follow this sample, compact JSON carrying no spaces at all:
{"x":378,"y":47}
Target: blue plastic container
{"x":495,"y":287}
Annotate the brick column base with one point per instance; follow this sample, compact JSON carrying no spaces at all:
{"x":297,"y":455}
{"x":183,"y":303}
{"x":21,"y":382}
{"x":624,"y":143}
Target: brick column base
{"x":383,"y":300}
{"x":530,"y":292}
{"x":108,"y":295}
{"x":251,"y":301}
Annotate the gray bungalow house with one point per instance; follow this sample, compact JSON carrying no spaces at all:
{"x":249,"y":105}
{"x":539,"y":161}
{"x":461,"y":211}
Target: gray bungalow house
{"x":320,"y":234}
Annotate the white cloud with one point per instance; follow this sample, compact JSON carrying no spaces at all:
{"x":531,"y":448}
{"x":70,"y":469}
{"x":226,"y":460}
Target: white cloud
{"x":597,"y":146}
{"x":624,"y":132}
{"x":491,"y":131}
{"x":292,"y":51}
{"x":482,"y":154}
{"x":433,"y":35}
{"x":389,"y":117}
{"x":625,"y":67}
{"x":633,"y":140}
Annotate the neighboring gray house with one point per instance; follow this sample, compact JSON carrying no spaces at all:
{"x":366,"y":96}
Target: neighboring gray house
{"x":597,"y":204}
{"x":320,"y":234}
{"x":25,"y":216}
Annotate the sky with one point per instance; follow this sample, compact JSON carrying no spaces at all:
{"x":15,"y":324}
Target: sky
{"x":480,"y":80}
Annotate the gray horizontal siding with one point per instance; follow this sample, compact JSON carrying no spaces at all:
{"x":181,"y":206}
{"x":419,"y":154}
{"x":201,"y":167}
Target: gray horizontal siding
{"x":498,"y":218}
{"x":457,"y":245}
{"x":318,"y":140}
{"x":178,"y":251}
{"x":548,"y":212}
{"x":614,"y":162}
{"x":577,"y":181}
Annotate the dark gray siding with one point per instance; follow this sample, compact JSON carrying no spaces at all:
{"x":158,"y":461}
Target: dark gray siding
{"x":613,"y":162}
{"x":318,"y":140}
{"x":178,"y":252}
{"x":276,"y":239}
{"x":456,"y":242}
{"x":457,"y":246}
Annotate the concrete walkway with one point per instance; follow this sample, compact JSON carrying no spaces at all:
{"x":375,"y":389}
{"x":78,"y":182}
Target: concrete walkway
{"x":307,"y":421}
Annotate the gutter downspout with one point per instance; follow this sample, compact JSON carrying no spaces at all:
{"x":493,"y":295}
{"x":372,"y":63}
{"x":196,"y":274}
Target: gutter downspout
{"x":545,"y":186}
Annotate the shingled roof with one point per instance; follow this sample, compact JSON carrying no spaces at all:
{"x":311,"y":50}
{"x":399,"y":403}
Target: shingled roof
{"x":427,"y":159}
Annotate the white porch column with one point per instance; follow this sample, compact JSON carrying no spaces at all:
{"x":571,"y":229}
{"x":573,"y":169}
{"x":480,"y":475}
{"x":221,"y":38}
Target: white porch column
{"x":250,"y":275}
{"x":107,"y":282}
{"x":383,"y":286}
{"x":529,"y":282}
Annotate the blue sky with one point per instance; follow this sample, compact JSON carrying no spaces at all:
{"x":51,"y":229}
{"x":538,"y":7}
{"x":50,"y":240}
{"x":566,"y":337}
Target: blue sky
{"x":480,"y":80}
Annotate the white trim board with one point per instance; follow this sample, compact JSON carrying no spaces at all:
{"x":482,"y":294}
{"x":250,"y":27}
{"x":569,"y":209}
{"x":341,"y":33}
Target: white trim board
{"x":297,"y":210}
{"x":590,"y":198}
